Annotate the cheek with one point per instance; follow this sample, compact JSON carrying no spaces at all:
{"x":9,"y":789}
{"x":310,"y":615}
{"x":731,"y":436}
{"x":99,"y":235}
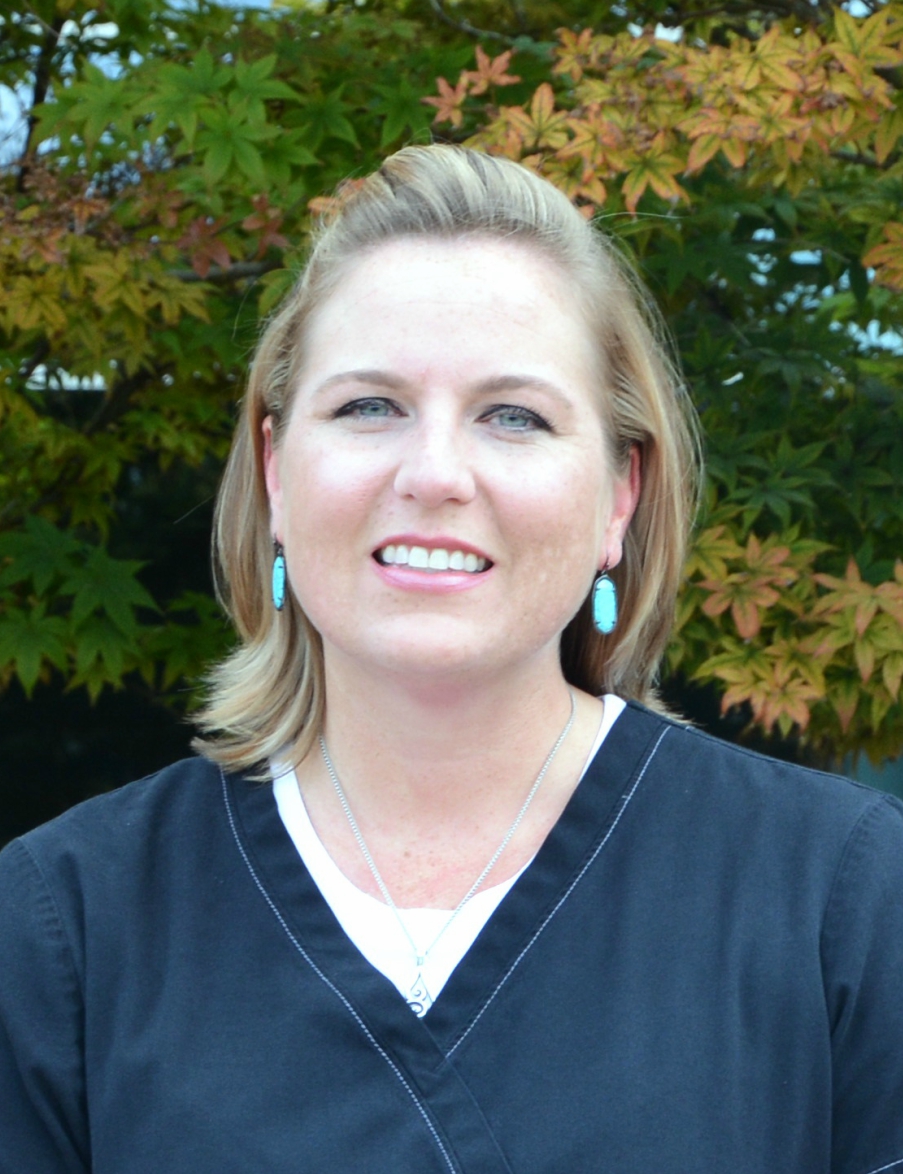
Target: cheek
{"x":328,"y":496}
{"x":567,"y":503}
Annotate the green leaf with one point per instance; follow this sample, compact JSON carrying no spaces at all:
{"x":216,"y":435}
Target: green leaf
{"x":39,"y":552}
{"x":401,"y":108}
{"x":248,"y":159}
{"x":27,"y":639}
{"x":108,"y":586}
{"x":325,"y":118}
{"x":101,"y":650}
{"x":99,"y":102}
{"x":253,"y":80}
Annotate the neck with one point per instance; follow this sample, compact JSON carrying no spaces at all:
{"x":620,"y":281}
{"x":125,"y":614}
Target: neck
{"x":433,"y":745}
{"x":435,"y":774}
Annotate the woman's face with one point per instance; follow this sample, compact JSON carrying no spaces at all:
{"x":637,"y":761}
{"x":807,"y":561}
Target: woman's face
{"x":443,"y":487}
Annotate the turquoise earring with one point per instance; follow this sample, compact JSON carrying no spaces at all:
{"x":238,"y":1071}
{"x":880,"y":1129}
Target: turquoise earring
{"x":605,"y":604}
{"x":278,"y":576}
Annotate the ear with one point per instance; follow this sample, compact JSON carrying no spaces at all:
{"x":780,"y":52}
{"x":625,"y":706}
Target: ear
{"x":626,"y":494}
{"x":272,"y":478}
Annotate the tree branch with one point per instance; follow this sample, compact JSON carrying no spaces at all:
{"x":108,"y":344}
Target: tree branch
{"x":857,"y":157}
{"x":464,"y":26}
{"x":42,"y":75}
{"x":236,"y":272}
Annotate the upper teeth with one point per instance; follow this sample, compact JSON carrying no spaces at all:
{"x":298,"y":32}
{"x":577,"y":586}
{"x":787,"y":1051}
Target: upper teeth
{"x":431,"y":560}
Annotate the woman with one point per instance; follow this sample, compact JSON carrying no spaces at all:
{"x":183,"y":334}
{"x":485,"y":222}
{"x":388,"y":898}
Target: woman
{"x":481,"y":920}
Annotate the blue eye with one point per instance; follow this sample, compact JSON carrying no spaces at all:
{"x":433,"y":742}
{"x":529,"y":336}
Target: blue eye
{"x":371,"y":408}
{"x":517,"y":419}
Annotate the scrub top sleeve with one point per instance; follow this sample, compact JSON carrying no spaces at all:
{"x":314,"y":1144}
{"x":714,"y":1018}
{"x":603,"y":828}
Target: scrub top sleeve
{"x":862,"y":955}
{"x":43,"y":1126}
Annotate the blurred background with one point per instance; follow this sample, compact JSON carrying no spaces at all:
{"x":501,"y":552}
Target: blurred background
{"x":160,"y":167}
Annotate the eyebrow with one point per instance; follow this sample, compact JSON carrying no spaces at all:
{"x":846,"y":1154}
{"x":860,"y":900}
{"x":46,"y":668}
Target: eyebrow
{"x":373,"y":378}
{"x":495,"y":384}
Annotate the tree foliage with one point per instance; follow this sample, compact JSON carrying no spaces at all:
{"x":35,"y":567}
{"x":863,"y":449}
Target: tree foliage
{"x":749,"y":162}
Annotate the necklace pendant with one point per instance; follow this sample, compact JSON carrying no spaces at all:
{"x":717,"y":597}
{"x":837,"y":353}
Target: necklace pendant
{"x":419,"y":998}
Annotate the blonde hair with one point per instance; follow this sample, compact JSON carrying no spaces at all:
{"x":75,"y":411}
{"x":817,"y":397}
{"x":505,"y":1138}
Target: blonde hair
{"x":269,"y":692}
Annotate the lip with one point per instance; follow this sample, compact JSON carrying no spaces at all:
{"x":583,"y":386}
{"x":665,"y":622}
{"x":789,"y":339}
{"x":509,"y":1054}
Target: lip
{"x":431,"y":582}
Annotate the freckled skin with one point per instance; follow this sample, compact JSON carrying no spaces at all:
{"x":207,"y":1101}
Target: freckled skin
{"x":482,"y":424}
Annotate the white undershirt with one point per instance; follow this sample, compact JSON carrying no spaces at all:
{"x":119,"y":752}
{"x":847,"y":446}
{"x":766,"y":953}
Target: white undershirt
{"x":372,"y":926}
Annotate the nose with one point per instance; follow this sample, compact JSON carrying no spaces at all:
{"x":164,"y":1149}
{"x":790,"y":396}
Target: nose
{"x":435,"y":466}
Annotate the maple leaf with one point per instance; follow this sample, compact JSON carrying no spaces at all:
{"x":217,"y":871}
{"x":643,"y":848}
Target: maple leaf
{"x":863,"y":45}
{"x":892,"y":673}
{"x":36,"y":304}
{"x":162,"y":206}
{"x":890,"y":595}
{"x":47,"y":245}
{"x":328,"y":206}
{"x":99,"y":653}
{"x":749,"y":592}
{"x":448,"y":104}
{"x":705,"y":147}
{"x":657,"y":170}
{"x":887,"y":258}
{"x":266,"y":221}
{"x":490,"y":71}
{"x":851,"y":594}
{"x":84,"y":209}
{"x":889,"y":130}
{"x":731,"y":130}
{"x":845,"y":701}
{"x":107,"y":586}
{"x":882,"y":640}
{"x":40,"y":552}
{"x":574,"y":52}
{"x":544,"y":126}
{"x":783,"y":698}
{"x":777,"y":692}
{"x":773,"y":54}
{"x":598,"y":147}
{"x":204,"y":246}
{"x":711,"y":551}
{"x":575,"y":177}
{"x":28,"y":639}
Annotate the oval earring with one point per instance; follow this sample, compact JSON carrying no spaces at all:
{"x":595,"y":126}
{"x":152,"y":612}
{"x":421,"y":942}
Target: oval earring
{"x":605,"y":603}
{"x":278,"y":576}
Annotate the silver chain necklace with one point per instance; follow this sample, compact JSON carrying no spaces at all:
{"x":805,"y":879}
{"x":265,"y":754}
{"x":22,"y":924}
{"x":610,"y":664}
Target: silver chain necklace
{"x":418,"y":996}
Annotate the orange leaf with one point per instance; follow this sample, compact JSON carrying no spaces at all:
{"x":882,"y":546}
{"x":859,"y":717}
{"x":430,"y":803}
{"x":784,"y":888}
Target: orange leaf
{"x":845,"y":699}
{"x":573,"y":55}
{"x":544,"y":126}
{"x":448,"y":104}
{"x":490,"y":71}
{"x":703,"y":149}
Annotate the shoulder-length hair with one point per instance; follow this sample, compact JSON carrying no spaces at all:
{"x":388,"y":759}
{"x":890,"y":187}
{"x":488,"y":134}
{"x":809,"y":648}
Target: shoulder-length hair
{"x":269,"y":692}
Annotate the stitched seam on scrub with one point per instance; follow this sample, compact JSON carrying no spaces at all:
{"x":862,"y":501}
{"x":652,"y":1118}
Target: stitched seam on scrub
{"x":335,"y":990}
{"x":517,"y":961}
{"x":889,"y":1166}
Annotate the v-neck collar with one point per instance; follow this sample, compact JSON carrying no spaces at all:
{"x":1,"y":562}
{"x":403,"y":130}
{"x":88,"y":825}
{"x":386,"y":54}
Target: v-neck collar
{"x":583,"y":825}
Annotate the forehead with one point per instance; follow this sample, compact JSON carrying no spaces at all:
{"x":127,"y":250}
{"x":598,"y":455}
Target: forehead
{"x":402,"y":267}
{"x":486,"y":295}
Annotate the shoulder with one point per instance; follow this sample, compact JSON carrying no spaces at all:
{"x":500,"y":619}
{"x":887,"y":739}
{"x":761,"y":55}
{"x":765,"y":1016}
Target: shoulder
{"x":99,"y":849}
{"x":762,"y":796}
{"x":127,"y":813}
{"x":722,"y":764}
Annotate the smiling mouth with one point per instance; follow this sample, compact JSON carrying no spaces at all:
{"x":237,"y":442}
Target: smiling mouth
{"x":438,"y":559}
